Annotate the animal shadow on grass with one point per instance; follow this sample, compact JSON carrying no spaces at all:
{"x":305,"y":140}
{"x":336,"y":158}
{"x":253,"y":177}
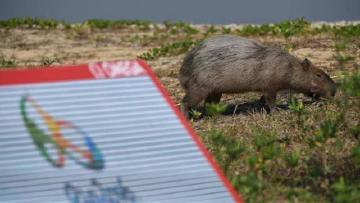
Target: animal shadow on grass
{"x":256,"y":106}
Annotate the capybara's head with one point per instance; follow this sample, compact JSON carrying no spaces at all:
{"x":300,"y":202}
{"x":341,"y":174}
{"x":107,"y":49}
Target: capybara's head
{"x":319,"y":84}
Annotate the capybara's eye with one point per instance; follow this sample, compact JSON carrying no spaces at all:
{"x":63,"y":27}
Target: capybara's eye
{"x":319,"y":75}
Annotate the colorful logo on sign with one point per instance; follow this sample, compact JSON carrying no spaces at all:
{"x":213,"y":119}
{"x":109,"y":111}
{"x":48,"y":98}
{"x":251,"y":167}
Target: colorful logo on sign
{"x":90,"y":157}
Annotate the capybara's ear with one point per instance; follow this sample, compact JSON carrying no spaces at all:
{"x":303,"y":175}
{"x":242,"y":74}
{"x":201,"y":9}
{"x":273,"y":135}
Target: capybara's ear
{"x":306,"y":64}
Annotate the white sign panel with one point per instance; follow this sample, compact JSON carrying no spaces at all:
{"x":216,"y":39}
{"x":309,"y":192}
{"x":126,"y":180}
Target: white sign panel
{"x":99,"y":133}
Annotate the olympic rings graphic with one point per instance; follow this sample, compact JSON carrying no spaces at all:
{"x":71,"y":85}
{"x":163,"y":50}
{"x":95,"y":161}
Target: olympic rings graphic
{"x":90,"y":158}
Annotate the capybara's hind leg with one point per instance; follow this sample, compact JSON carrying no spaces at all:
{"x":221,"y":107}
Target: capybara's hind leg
{"x":269,"y":101}
{"x":213,"y":98}
{"x":190,"y":100}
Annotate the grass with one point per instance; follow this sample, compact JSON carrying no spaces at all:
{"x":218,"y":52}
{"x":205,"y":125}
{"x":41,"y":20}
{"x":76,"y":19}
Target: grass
{"x":102,"y":24}
{"x":306,"y":152}
{"x":298,"y":27}
{"x":305,"y":173}
{"x":213,"y":109}
{"x":180,"y":27}
{"x":29,"y":22}
{"x":343,"y":58}
{"x":285,"y":28}
{"x":341,"y":47}
{"x":168,"y":50}
{"x":49,"y":60}
{"x":6,"y":62}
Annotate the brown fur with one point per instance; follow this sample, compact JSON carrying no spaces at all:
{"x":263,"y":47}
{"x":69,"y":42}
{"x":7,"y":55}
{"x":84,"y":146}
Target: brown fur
{"x":229,"y":64}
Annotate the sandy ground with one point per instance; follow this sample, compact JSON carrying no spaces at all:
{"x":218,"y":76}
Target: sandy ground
{"x":33,"y":47}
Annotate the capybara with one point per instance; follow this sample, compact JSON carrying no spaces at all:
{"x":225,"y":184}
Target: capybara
{"x":232,"y":64}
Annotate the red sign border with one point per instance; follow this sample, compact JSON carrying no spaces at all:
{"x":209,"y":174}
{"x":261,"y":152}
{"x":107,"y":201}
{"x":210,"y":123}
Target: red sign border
{"x":82,"y":72}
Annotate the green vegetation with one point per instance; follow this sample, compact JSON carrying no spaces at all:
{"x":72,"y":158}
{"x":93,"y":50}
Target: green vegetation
{"x":341,"y":46}
{"x":48,"y":61}
{"x":29,"y":22}
{"x":296,"y":27}
{"x":346,"y":31}
{"x":211,"y":30}
{"x":195,"y":114}
{"x":285,"y":28}
{"x":102,"y":24}
{"x":213,"y":109}
{"x":226,"y":30}
{"x":308,"y":152}
{"x":168,"y":50}
{"x":5,"y":62}
{"x":180,"y":27}
{"x":266,"y":166}
{"x":343,"y":58}
{"x":298,"y":108}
